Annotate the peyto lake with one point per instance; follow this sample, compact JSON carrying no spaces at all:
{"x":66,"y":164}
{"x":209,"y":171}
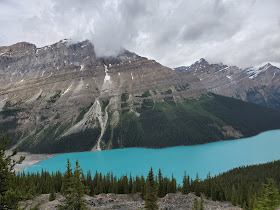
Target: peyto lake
{"x":215,"y":158}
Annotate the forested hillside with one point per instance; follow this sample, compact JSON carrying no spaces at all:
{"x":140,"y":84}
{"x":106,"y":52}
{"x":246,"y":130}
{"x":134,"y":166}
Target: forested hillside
{"x":194,"y":121}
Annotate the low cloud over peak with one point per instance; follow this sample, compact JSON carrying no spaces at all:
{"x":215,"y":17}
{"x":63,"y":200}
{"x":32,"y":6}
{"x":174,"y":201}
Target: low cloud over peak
{"x":235,"y":32}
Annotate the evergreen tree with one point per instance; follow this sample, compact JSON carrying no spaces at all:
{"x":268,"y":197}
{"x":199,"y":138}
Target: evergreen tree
{"x":130,"y":184}
{"x":196,"y":185}
{"x":255,"y":202}
{"x":161,"y":191}
{"x":270,"y":199}
{"x":195,"y":204}
{"x":151,"y":194}
{"x":186,"y":184}
{"x":125,"y":185}
{"x":172,"y":186}
{"x":244,"y":205}
{"x":208,"y":185}
{"x":143,"y":186}
{"x":234,"y":196}
{"x":52,"y":196}
{"x":201,"y":203}
{"x":8,"y":196}
{"x":67,"y":179}
{"x":76,"y":189}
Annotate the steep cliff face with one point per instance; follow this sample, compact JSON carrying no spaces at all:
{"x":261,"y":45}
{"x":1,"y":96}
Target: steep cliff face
{"x":63,"y":98}
{"x":60,"y":90}
{"x":260,"y":85}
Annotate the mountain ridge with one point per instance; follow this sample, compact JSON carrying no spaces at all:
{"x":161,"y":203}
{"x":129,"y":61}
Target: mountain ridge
{"x":63,"y":98}
{"x":258,"y":85}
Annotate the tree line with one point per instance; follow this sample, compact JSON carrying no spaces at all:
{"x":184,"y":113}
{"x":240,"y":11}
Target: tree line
{"x":243,"y":186}
{"x":252,"y":187}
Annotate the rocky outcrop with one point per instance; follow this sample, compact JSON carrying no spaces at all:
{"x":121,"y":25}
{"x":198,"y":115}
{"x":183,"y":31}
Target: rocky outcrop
{"x":176,"y":201}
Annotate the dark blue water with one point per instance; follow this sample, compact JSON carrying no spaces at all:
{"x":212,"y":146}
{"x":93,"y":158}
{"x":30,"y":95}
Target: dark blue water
{"x":215,"y":158}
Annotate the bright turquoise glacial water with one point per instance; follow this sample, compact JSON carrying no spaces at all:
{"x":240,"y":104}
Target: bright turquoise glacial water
{"x":215,"y":158}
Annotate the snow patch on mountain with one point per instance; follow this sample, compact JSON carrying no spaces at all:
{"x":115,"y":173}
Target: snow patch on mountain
{"x":107,"y":77}
{"x":68,"y":88}
{"x":255,"y":71}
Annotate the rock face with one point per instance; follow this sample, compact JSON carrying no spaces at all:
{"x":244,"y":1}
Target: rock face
{"x":176,"y":201}
{"x":260,"y":85}
{"x":63,"y":89}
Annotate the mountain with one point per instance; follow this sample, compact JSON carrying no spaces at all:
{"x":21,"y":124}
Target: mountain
{"x":202,"y":63}
{"x":260,"y":85}
{"x":63,"y":98}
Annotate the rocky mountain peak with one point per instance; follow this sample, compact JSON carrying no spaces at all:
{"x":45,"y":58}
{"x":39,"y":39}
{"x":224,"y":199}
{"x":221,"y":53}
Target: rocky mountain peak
{"x":202,"y":61}
{"x":200,"y":64}
{"x":17,"y":50}
{"x":253,"y":72}
{"x":266,"y":66}
{"x":123,"y":56}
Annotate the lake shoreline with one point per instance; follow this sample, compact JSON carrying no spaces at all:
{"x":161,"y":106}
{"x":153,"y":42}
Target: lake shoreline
{"x":30,"y":159}
{"x":33,"y":159}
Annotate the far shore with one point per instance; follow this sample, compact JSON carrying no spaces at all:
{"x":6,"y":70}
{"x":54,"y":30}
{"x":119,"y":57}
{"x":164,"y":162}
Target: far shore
{"x":30,"y":159}
{"x":33,"y":159}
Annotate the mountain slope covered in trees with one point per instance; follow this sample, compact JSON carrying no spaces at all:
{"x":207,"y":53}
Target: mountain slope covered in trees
{"x":166,"y":123}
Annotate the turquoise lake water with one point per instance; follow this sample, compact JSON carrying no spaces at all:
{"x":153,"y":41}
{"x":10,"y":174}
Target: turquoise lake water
{"x":215,"y":158}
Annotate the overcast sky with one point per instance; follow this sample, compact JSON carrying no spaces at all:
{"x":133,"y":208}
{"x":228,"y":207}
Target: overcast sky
{"x":173,"y":32}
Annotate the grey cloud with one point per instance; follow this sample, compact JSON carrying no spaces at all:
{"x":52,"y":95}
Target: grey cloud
{"x":176,"y":32}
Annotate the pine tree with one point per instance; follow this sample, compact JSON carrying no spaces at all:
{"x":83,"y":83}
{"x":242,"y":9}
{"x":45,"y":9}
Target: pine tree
{"x":67,"y":178}
{"x":79,"y":187}
{"x":125,"y":185}
{"x":255,"y":202}
{"x":208,"y":185}
{"x":151,"y":194}
{"x":244,"y":205}
{"x":195,"y":204}
{"x":233,"y":196}
{"x":186,"y":184}
{"x":171,"y":186}
{"x":8,"y":196}
{"x":196,"y":185}
{"x":201,"y":204}
{"x":161,"y":192}
{"x":271,"y":198}
{"x":52,"y":196}
{"x":130,"y":184}
{"x":75,"y":189}
{"x":143,"y":186}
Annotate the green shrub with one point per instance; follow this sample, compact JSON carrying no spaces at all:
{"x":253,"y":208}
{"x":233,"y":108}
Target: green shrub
{"x":54,"y":98}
